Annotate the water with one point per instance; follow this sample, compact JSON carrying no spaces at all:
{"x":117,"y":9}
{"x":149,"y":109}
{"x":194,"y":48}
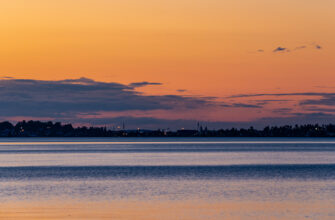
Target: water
{"x":198,"y":178}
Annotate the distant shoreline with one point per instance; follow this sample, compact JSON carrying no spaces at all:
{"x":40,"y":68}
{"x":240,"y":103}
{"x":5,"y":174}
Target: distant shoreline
{"x":51,"y":129}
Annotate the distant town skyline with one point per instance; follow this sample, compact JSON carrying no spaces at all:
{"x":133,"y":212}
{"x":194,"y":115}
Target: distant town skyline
{"x":58,"y":129}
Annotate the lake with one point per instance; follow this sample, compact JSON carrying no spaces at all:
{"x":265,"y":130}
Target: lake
{"x":167,"y":178}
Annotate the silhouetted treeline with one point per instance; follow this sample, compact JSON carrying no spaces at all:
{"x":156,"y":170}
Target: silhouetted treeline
{"x":50,"y":129}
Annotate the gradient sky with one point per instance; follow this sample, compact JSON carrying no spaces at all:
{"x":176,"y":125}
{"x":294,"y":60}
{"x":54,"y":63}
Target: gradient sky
{"x":218,"y":53}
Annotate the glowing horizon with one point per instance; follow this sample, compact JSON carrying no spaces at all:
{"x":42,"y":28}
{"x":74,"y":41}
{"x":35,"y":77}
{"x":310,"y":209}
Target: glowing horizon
{"x":212,"y":50}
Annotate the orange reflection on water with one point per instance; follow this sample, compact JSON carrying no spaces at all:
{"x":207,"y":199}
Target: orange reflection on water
{"x":152,"y":210}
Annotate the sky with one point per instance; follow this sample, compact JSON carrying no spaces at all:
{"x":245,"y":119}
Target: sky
{"x":168,"y":64}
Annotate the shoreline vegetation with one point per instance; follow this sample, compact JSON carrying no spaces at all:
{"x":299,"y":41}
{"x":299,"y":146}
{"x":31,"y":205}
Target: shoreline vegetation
{"x":51,"y":129}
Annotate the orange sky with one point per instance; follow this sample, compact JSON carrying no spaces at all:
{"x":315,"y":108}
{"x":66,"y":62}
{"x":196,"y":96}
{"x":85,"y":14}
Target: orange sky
{"x":208,"y":48}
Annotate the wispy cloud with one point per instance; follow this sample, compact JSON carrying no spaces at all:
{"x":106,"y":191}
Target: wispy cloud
{"x":88,"y":101}
{"x":26,"y":97}
{"x":243,"y":105}
{"x":287,"y":49}
{"x":145,"y":83}
{"x":328,"y":99}
{"x":279,"y":49}
{"x":281,"y":94}
{"x":300,"y":47}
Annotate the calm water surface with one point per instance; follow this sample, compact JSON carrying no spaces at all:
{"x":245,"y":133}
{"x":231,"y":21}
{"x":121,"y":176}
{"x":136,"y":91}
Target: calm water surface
{"x":228,"y":178}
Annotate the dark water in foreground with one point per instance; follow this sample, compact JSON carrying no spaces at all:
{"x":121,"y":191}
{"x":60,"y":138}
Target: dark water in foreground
{"x":290,"y":172}
{"x":269,"y":172}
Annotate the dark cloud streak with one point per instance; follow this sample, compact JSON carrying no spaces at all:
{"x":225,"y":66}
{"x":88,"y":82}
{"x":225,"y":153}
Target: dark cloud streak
{"x":279,"y":49}
{"x":281,"y":94}
{"x":141,"y":84}
{"x":26,"y":97}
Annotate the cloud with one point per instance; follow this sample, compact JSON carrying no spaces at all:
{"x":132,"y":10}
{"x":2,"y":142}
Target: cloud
{"x":281,"y":94}
{"x":282,"y":111}
{"x":65,"y":98}
{"x":267,"y":101}
{"x":243,"y":105}
{"x":285,"y":49}
{"x":300,"y":47}
{"x":327,"y":99}
{"x":106,"y":103}
{"x":279,"y":49}
{"x":141,"y":84}
{"x":321,"y":109}
{"x":6,"y":77}
{"x":311,"y":98}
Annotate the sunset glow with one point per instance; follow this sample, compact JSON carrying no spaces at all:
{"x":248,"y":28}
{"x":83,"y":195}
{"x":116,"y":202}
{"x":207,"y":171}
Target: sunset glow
{"x":193,"y":48}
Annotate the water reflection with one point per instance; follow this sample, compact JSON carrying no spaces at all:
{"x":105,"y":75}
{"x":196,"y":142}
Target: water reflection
{"x":148,"y":180}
